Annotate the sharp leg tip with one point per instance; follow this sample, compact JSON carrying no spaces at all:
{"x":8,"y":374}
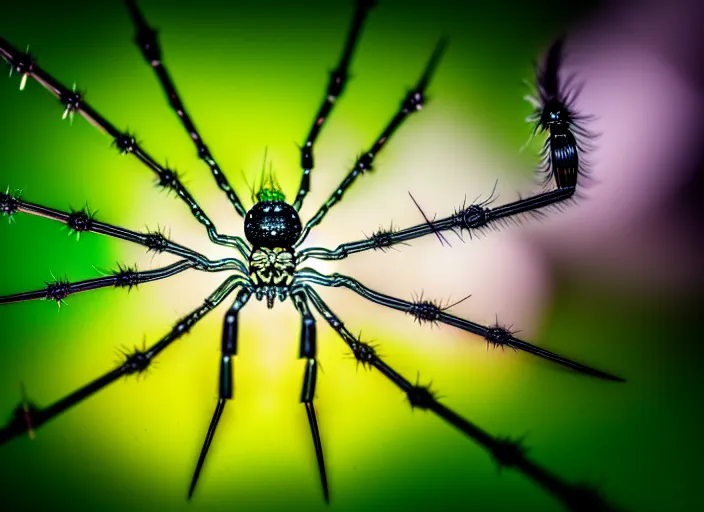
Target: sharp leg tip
{"x":614,"y":378}
{"x":600,"y":375}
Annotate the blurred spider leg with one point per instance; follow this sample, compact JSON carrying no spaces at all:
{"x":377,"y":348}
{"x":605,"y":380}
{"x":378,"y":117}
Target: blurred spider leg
{"x":338,"y":81}
{"x":474,"y":217}
{"x":28,"y":416}
{"x":413,"y":102}
{"x":146,"y":40}
{"x":227,"y":364}
{"x":124,"y":277}
{"x":505,"y":451}
{"x":84,"y":221}
{"x":430,"y":311}
{"x":74,"y":102}
{"x":308,"y":351}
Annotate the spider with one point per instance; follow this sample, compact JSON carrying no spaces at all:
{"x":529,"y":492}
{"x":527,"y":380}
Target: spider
{"x":270,"y":257}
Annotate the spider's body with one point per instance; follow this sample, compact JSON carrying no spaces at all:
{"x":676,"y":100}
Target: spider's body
{"x":269,"y":266}
{"x":272,"y":272}
{"x":272,"y":226}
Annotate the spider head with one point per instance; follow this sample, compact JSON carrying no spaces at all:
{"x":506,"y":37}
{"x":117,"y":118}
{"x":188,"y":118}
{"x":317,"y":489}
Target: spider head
{"x":272,"y":224}
{"x":554,"y":113}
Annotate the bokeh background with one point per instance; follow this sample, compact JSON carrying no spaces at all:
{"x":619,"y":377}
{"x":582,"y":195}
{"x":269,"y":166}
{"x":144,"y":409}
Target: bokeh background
{"x":613,"y":282}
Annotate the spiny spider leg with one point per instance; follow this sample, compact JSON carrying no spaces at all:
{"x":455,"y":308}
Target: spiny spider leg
{"x":229,"y":350}
{"x":473,"y":217}
{"x":429,"y":311}
{"x":308,"y":351}
{"x":83,"y":220}
{"x":136,"y":362}
{"x":146,"y":39}
{"x":338,"y":80}
{"x":412,"y":103}
{"x":123,"y":277}
{"x":25,"y":65}
{"x":505,"y":451}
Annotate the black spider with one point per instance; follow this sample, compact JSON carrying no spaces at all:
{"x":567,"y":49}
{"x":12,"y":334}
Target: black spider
{"x":270,"y":264}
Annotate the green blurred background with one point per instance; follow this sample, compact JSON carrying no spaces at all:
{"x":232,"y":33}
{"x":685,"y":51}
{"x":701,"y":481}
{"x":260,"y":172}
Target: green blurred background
{"x":252,"y":75}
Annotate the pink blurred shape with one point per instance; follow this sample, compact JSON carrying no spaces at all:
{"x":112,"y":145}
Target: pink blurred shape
{"x":637,"y":222}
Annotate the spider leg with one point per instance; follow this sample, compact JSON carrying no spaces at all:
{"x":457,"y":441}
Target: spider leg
{"x":413,"y":102}
{"x":471,"y":218}
{"x":429,"y":311}
{"x":28,"y":418}
{"x":147,"y":41}
{"x":84,"y":221}
{"x":123,"y":277}
{"x":308,"y":351}
{"x":338,"y":81}
{"x":26,"y":66}
{"x":229,"y":350}
{"x":506,"y":452}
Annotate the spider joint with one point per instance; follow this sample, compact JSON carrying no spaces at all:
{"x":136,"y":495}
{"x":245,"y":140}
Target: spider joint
{"x":168,"y":179}
{"x":204,"y":152}
{"x":9,"y":204}
{"x":307,"y":157}
{"x":414,"y":101}
{"x":508,"y":452}
{"x":24,"y":415}
{"x":136,"y":362}
{"x":72,"y":102}
{"x":146,"y":40}
{"x":125,"y":143}
{"x":424,"y":311}
{"x":80,"y":221}
{"x":126,"y":277}
{"x":364,"y":163}
{"x":156,"y":242}
{"x":181,"y":328}
{"x":23,"y":64}
{"x":58,"y":290}
{"x":364,"y":353}
{"x":382,"y":239}
{"x":420,"y":396}
{"x":472,"y":217}
{"x":498,"y":336}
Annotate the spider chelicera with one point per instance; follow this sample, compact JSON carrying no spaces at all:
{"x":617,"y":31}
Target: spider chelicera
{"x":270,"y":268}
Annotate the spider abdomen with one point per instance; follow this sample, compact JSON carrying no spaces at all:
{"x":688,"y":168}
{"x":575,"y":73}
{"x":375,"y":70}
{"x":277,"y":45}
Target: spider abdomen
{"x":272,"y":224}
